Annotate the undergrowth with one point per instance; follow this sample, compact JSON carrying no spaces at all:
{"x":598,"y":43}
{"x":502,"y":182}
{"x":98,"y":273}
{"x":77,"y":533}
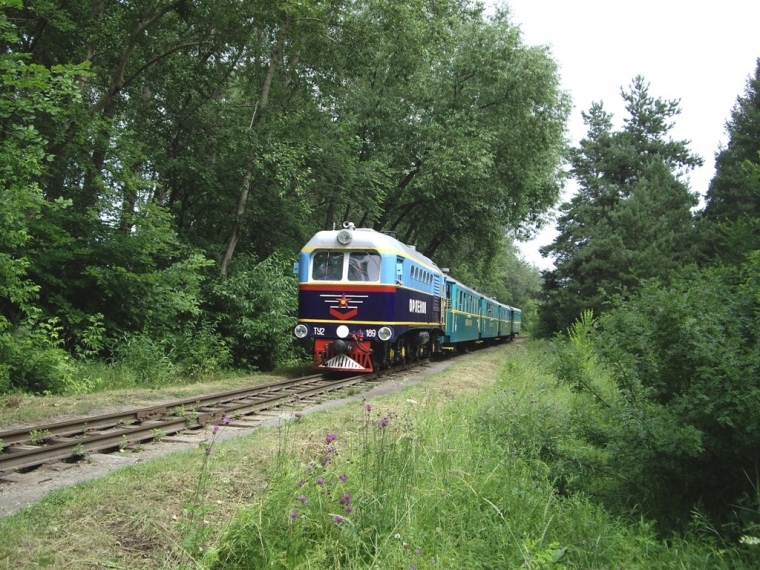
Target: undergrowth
{"x":470,"y":484}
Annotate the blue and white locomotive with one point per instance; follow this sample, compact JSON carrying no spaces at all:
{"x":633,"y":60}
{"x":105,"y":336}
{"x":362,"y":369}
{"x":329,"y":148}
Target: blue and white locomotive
{"x":368,"y":301}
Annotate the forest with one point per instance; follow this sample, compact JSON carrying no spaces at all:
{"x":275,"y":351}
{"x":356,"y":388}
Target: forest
{"x":657,"y":303}
{"x":164,"y":161}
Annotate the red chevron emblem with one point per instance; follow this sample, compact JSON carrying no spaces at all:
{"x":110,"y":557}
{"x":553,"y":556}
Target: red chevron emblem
{"x":343,"y":316}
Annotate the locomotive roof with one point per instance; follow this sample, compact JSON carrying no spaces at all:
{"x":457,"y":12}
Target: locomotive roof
{"x":367,"y":238}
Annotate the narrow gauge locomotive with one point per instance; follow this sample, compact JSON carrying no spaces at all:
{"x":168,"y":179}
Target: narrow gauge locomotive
{"x":368,"y":301}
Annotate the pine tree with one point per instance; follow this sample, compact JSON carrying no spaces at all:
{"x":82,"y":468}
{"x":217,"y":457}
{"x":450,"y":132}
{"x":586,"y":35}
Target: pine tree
{"x":732,"y":214}
{"x":631,"y":218}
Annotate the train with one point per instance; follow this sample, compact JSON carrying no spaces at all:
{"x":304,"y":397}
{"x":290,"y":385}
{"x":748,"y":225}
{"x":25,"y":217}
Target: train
{"x":369,"y":301}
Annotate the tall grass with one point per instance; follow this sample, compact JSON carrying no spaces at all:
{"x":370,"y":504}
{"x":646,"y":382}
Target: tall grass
{"x":431,"y":484}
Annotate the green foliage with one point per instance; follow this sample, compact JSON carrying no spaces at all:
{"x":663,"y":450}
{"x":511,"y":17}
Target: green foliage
{"x":469,"y":485}
{"x":33,"y":359}
{"x":630,"y":219}
{"x":680,"y":428}
{"x":192,"y":354}
{"x":145,"y":360}
{"x":730,"y":220}
{"x":125,"y":175}
{"x":37,"y":437}
{"x":200,"y":350}
{"x":393,"y":495}
{"x":575,"y":362}
{"x":142,"y":280}
{"x":258,"y":302}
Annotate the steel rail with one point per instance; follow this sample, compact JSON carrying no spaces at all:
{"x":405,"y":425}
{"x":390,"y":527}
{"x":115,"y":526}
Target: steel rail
{"x":72,"y":427}
{"x":112,"y":431}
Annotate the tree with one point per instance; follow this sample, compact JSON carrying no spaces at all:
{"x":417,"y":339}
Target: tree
{"x":458,"y":126}
{"x":30,"y":354}
{"x":731,"y":219}
{"x":631,"y":217}
{"x":220,"y":131}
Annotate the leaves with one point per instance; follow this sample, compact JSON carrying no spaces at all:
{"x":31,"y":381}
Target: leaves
{"x":730,"y":220}
{"x":151,"y":142}
{"x":631,"y":218}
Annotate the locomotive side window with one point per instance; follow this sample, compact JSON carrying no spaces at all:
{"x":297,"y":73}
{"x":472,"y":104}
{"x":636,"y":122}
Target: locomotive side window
{"x":327,"y":266}
{"x":363,"y":266}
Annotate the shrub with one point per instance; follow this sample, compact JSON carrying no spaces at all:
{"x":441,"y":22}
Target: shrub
{"x":200,"y":350}
{"x":145,"y":360}
{"x":258,"y":302}
{"x":33,"y":360}
{"x":681,"y":431}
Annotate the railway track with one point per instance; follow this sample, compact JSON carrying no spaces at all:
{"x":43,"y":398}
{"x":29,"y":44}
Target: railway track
{"x":28,"y":448}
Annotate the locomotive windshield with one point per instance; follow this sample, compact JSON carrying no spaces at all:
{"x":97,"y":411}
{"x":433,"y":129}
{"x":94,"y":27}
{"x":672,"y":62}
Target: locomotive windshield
{"x":361,"y":266}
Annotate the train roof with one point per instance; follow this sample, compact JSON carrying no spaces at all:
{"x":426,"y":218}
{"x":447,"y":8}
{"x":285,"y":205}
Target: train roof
{"x":471,"y":290}
{"x":368,"y":239}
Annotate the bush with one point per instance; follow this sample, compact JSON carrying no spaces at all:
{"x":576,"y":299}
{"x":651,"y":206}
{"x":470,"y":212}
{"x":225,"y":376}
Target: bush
{"x":681,"y":428}
{"x":33,"y":360}
{"x":258,"y":303}
{"x":145,"y":360}
{"x":201,"y":350}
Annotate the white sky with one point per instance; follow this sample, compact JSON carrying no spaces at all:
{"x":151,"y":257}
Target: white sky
{"x":701,"y":53}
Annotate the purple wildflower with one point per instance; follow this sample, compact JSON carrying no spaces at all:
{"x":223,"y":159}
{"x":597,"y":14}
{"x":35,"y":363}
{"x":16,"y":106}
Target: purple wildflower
{"x":293,"y":514}
{"x":338,"y":519}
{"x":330,"y":437}
{"x":383,"y":422}
{"x":368,"y":408}
{"x":343,"y":478}
{"x":227,"y":420}
{"x":346,"y":499}
{"x":299,"y":415}
{"x":216,"y":429}
{"x":325,"y":460}
{"x":303,"y":499}
{"x":349,"y":510}
{"x":320,"y":480}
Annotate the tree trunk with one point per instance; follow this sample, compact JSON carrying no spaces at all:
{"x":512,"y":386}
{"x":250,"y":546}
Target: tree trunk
{"x":245,"y":186}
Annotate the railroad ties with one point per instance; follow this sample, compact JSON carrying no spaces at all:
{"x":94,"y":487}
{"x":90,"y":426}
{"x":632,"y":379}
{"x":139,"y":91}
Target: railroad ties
{"x":66,"y":442}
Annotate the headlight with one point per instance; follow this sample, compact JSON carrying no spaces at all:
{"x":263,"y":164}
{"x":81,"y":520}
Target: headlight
{"x":342,"y":331}
{"x":344,"y":237}
{"x":301,"y":331}
{"x":384,"y":333}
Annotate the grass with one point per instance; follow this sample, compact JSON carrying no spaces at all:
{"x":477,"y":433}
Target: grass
{"x":20,"y":410}
{"x":445,"y":474}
